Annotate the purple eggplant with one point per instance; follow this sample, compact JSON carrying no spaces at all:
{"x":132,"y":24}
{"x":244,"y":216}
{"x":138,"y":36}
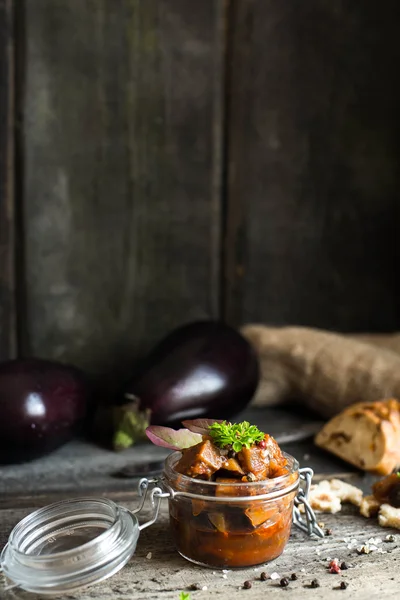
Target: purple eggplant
{"x":203,"y":369}
{"x":42,"y":406}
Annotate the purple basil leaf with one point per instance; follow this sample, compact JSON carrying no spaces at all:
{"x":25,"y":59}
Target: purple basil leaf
{"x":200,"y":425}
{"x":169,"y":438}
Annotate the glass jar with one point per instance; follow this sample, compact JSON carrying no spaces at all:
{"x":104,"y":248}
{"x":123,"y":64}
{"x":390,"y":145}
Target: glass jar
{"x":228,"y":525}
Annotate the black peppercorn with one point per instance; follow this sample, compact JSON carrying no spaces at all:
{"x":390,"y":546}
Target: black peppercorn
{"x":328,"y":532}
{"x":293,"y":576}
{"x":193,"y":587}
{"x":264,"y":576}
{"x":344,"y":566}
{"x":343,"y":585}
{"x":315,"y":583}
{"x":284,"y":582}
{"x":247,"y":585}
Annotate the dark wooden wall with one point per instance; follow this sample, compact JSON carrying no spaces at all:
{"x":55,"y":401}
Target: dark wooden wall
{"x":7,"y":213}
{"x":122,"y":171}
{"x":180,"y":160}
{"x":314,"y":163}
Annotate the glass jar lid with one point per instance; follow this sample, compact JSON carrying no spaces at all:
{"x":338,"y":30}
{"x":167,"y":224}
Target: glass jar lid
{"x":68,"y":545}
{"x":73,"y":543}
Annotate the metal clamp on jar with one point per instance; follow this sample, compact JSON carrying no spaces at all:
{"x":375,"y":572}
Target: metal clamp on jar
{"x":74,"y":543}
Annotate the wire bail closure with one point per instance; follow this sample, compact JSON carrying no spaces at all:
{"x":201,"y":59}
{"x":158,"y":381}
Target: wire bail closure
{"x":156,"y":495}
{"x":310,"y":524}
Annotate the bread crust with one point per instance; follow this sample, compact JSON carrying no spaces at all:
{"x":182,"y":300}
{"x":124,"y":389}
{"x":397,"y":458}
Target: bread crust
{"x":366,"y":435}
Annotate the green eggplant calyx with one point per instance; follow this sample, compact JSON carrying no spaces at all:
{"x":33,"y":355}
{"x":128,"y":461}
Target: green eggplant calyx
{"x":130,"y":425}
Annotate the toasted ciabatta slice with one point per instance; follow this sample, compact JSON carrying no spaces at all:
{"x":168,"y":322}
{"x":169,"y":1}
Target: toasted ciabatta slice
{"x":366,"y":435}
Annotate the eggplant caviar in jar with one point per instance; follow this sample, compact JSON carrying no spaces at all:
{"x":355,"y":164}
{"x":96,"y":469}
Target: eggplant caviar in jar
{"x":229,"y":523}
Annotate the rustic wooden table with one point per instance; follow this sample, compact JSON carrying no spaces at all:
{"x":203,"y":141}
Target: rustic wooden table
{"x":156,"y":571}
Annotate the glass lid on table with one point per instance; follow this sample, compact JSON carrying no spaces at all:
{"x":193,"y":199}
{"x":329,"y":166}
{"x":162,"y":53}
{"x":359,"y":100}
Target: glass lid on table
{"x":232,"y":497}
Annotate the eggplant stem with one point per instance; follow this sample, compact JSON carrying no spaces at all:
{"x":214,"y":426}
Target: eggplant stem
{"x":130,"y":425}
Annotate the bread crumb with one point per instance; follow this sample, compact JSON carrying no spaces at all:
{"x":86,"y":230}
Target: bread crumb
{"x":369,"y":506}
{"x":389,"y":516}
{"x":327,"y":496}
{"x":347,"y":492}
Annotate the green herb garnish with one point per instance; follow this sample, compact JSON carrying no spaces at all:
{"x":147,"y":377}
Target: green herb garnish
{"x":398,"y":473}
{"x":236,"y":435}
{"x":184,"y":596}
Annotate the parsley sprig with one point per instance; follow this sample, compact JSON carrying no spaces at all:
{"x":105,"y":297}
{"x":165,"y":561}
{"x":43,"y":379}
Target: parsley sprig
{"x":184,"y":596}
{"x":236,"y":435}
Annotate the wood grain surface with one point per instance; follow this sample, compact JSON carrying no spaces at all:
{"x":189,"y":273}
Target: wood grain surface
{"x":313,"y":164}
{"x":157,"y":571}
{"x":122,"y":160}
{"x":7,"y":215}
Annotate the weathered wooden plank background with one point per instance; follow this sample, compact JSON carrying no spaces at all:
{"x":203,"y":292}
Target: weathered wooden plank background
{"x":234,"y":159}
{"x":121,"y":209}
{"x":7,"y":241}
{"x":314,"y":174}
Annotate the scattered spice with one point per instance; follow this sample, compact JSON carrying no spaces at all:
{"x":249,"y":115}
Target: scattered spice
{"x":247,"y":585}
{"x":284,"y":582}
{"x":264,"y":576}
{"x":293,"y":576}
{"x":315,"y":583}
{"x":343,"y":585}
{"x":193,"y":587}
{"x":328,"y":532}
{"x":334,"y":567}
{"x":344,"y":566}
{"x":365,"y":549}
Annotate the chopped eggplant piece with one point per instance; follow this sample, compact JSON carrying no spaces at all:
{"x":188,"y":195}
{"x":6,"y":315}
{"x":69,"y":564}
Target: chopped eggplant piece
{"x":198,"y":506}
{"x":218,"y":520}
{"x":231,"y":520}
{"x":254,"y":460}
{"x":233,"y":467}
{"x":258,"y":515}
{"x":200,"y":461}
